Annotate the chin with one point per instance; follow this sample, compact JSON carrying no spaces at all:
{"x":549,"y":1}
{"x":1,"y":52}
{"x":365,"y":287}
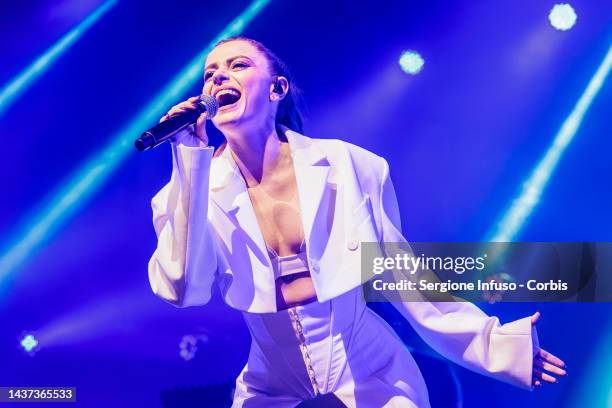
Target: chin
{"x":232,"y":118}
{"x":229,"y":117}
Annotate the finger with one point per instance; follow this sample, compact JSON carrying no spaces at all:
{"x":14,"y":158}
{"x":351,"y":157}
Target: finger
{"x":184,"y":106}
{"x":535,"y":318}
{"x":551,"y":358}
{"x":171,"y":113}
{"x":202,"y":119}
{"x":164,"y":118}
{"x":537,"y":383}
{"x":189,"y":104}
{"x":549,"y":367}
{"x":179,"y":109}
{"x":543,"y":376}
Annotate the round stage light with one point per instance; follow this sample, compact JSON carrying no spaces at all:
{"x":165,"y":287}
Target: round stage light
{"x":29,"y":343}
{"x":411,"y":62}
{"x":562,"y":16}
{"x":188,"y":347}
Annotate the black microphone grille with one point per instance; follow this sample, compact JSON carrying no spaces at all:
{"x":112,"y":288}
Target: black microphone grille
{"x":210,"y":103}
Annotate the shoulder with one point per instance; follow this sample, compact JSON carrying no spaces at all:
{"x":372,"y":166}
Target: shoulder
{"x":341,"y":154}
{"x":366,"y":163}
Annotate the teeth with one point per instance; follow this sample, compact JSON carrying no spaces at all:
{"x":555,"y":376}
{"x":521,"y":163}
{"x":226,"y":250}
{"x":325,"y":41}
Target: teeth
{"x":228,"y":91}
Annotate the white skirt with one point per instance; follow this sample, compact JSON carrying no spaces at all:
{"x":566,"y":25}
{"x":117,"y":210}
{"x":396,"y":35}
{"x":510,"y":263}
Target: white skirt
{"x":339,"y":346}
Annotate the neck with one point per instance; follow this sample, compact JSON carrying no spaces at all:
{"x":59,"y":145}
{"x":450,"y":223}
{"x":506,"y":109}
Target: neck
{"x":255,"y":151}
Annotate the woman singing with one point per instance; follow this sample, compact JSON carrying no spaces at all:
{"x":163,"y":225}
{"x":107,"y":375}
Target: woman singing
{"x":276,"y":220}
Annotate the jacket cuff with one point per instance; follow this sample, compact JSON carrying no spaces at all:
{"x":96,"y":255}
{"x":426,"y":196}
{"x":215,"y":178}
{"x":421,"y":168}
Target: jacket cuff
{"x":187,"y":158}
{"x":519,"y":342}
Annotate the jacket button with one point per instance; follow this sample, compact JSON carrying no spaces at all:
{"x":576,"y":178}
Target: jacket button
{"x":352,"y":244}
{"x":314,"y":265}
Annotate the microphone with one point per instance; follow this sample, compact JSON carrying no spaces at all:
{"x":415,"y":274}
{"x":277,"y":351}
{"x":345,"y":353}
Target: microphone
{"x":168,"y":128}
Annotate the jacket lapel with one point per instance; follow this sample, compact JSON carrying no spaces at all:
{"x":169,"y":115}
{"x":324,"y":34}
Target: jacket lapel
{"x":230,"y":193}
{"x":311,"y":172}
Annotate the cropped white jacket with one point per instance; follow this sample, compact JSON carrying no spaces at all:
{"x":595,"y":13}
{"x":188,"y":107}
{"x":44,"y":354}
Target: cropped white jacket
{"x":208,"y":232}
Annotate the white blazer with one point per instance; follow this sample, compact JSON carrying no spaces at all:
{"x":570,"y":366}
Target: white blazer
{"x":208,"y":232}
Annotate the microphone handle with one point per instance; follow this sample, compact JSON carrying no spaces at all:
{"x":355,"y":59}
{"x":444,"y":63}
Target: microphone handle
{"x":168,"y":128}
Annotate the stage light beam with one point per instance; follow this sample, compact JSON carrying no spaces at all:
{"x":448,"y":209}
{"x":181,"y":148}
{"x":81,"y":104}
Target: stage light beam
{"x":522,"y":207}
{"x":80,"y":186}
{"x":22,"y":81}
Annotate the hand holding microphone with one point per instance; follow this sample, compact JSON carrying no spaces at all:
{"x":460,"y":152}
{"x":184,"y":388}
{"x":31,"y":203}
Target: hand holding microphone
{"x":195,"y":110}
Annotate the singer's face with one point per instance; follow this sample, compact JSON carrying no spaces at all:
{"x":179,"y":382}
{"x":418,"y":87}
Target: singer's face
{"x":237,"y":75}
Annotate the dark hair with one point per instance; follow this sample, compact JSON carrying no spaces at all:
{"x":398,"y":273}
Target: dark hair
{"x":289,"y":109}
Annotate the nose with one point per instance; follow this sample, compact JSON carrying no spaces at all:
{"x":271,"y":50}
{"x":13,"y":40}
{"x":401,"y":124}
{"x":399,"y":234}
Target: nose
{"x":219,"y":76}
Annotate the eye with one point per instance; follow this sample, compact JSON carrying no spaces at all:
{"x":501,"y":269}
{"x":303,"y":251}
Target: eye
{"x":208,"y":75}
{"x":239,"y":65}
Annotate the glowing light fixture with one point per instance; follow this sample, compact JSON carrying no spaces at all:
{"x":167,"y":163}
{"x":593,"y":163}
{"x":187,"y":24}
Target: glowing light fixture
{"x":29,"y":343}
{"x":522,"y":207}
{"x":411,"y":62}
{"x":20,"y":83}
{"x":189,"y":345}
{"x":562,"y":16}
{"x":81,"y":185}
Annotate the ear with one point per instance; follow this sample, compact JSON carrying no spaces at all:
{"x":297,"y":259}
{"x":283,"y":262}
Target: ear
{"x":279,"y":88}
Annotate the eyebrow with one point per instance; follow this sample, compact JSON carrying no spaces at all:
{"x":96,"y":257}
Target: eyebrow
{"x":227,"y":62}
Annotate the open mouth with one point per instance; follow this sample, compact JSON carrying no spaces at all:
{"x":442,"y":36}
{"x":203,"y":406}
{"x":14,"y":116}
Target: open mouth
{"x":227,"y":97}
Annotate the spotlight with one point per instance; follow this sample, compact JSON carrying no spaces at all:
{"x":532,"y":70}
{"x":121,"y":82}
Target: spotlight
{"x":29,"y":344}
{"x":562,"y":16}
{"x":189,"y":345}
{"x":411,"y":62}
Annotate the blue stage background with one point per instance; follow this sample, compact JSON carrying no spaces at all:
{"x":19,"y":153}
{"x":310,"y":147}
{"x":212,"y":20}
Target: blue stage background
{"x":461,"y":137}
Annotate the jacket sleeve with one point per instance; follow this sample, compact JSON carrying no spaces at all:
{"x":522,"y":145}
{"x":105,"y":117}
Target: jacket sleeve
{"x":460,"y":331}
{"x":184,"y":264}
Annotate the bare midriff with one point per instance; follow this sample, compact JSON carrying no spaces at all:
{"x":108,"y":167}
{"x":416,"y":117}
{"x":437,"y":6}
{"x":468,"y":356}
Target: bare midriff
{"x":277,"y":208}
